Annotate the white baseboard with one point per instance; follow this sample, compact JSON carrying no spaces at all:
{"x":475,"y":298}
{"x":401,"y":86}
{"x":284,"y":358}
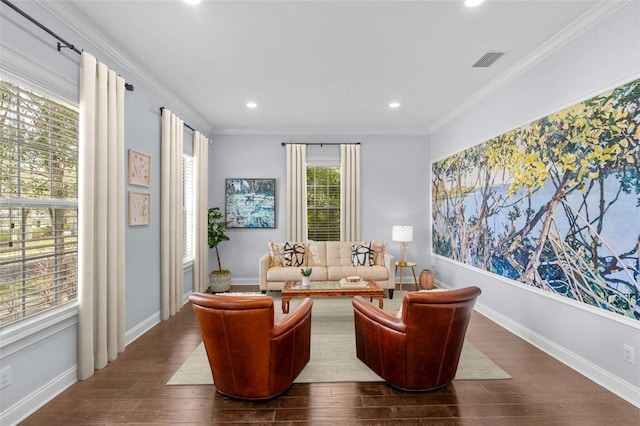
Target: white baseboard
{"x":624,"y":390}
{"x":137,"y":331}
{"x":29,"y":405}
{"x":244,"y":281}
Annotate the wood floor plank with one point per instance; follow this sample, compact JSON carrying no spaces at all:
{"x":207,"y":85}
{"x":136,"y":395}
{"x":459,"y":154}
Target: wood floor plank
{"x":132,"y":390}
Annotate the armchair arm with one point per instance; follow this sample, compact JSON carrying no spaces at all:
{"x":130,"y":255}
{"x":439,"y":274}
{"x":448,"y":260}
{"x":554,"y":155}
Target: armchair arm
{"x":263,"y":265}
{"x":376,"y":314}
{"x":291,"y":320}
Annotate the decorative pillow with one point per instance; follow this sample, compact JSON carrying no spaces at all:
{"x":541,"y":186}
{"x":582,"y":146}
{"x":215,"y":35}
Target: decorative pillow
{"x":293,"y":254}
{"x":314,"y":258}
{"x":362,"y":254}
{"x":379,"y":249}
{"x":276,"y":253}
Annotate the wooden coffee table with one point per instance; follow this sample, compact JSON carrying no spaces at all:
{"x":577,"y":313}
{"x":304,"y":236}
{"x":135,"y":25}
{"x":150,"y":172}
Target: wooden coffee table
{"x":293,"y":289}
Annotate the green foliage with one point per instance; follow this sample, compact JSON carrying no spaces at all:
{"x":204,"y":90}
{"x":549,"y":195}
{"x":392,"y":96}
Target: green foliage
{"x":306,"y":272}
{"x":216,"y":231}
{"x":323,"y":203}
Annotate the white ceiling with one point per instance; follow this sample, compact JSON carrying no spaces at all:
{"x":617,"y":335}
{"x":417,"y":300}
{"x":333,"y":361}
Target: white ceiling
{"x":326,"y":67}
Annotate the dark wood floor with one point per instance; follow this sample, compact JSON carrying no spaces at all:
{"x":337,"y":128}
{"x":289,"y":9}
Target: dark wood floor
{"x":132,"y":390}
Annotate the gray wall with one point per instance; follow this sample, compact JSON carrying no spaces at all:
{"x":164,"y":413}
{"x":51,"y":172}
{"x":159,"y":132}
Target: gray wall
{"x":587,"y":338}
{"x":394,"y":191}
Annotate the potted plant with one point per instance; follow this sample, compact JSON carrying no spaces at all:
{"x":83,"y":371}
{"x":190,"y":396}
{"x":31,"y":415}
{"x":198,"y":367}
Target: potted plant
{"x":219,"y":280}
{"x":306,"y":273}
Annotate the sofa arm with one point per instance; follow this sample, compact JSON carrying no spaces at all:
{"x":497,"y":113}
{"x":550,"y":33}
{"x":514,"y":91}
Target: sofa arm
{"x":390,"y":264}
{"x":263,"y":265}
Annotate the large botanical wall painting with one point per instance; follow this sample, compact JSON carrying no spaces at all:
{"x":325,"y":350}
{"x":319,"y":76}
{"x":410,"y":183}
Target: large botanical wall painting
{"x":554,"y":204}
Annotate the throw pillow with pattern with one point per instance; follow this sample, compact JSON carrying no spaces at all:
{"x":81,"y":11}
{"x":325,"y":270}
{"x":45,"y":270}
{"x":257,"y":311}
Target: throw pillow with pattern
{"x":362,"y":254}
{"x":293,"y":254}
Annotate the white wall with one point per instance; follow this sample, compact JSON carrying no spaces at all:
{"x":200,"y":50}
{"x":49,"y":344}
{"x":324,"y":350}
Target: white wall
{"x":587,"y":338}
{"x":394,"y":191}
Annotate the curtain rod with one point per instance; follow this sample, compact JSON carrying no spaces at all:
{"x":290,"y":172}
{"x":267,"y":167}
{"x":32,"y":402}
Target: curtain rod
{"x":62,"y":43}
{"x":183,"y":123}
{"x":317,"y":143}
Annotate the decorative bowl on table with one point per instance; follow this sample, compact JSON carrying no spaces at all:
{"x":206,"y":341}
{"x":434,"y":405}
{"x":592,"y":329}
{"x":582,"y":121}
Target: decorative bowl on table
{"x":353,"y":279}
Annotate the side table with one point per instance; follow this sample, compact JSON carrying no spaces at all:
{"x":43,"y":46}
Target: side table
{"x":412,"y":265}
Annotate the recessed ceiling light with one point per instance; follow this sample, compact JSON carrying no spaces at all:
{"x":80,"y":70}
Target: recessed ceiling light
{"x":394,"y":105}
{"x":192,"y":2}
{"x":472,"y":3}
{"x":252,"y":105}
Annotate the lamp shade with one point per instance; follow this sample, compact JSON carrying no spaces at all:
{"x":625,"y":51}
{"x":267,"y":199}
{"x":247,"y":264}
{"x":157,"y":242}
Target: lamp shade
{"x":402,"y":233}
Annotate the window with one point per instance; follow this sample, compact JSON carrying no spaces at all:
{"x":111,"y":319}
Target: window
{"x":38,"y":204}
{"x":188,"y":206}
{"x":323,"y":203}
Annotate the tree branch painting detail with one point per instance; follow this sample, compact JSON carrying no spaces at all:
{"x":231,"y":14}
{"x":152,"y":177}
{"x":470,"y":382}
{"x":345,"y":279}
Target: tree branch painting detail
{"x":554,"y":204}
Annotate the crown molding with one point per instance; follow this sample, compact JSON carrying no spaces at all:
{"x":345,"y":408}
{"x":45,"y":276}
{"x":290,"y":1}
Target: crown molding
{"x":78,"y":22}
{"x":24,"y":70}
{"x":589,"y":19}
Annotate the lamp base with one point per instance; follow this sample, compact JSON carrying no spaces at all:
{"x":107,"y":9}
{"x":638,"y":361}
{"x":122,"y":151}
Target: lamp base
{"x":402,"y":263}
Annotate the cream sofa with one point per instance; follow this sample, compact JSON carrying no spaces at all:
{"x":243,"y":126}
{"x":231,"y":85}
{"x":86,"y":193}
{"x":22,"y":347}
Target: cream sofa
{"x":329,"y":260}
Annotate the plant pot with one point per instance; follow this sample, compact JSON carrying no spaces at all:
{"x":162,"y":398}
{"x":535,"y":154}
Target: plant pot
{"x":220,"y":281}
{"x":305,"y":281}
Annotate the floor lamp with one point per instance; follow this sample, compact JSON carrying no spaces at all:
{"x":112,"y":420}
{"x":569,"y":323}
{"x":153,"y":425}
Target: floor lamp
{"x":402,"y":234}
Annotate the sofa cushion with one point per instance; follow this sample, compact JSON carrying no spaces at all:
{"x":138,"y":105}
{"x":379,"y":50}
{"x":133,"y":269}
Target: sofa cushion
{"x":362,"y":254}
{"x":292,"y":273}
{"x":375,"y":272}
{"x":293,"y":254}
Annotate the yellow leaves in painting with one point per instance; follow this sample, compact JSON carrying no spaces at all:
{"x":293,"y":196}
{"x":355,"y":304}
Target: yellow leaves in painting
{"x":583,"y":142}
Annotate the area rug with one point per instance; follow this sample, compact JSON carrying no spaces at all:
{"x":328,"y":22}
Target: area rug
{"x":333,"y":350}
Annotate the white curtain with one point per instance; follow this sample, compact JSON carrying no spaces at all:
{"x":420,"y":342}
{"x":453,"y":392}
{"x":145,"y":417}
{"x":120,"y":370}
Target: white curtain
{"x":296,"y":215}
{"x":201,"y":259}
{"x":171,"y":231}
{"x":101,"y":248}
{"x":350,"y":192}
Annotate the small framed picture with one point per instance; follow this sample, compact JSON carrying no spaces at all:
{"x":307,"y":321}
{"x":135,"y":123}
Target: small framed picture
{"x":139,"y":208}
{"x":139,"y":168}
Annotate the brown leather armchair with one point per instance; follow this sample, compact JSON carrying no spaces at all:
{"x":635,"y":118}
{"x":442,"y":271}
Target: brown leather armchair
{"x":253,"y":352}
{"x":420,"y":350}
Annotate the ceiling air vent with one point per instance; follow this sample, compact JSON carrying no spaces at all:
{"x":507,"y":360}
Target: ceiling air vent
{"x":488,"y":59}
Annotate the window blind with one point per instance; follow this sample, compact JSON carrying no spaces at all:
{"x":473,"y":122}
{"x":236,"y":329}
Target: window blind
{"x":188,"y":205}
{"x":38,"y":203}
{"x":323,"y":203}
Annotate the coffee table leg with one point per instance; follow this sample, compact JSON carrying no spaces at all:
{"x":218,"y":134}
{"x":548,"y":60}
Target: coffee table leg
{"x":380,"y":302}
{"x":285,"y":305}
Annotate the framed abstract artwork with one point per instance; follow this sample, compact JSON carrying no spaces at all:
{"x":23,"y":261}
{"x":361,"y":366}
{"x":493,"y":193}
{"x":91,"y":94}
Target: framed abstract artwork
{"x":139,"y":168}
{"x":250,"y":203}
{"x":139,"y":208}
